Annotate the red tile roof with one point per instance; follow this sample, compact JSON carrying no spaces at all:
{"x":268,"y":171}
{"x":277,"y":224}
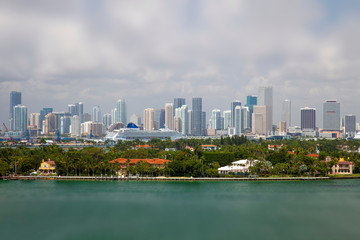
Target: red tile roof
{"x":155,"y":161}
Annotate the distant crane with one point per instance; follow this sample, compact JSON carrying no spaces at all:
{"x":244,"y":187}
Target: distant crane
{"x":7,"y":130}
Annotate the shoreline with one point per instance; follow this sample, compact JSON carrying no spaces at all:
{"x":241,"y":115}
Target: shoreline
{"x":173,"y":179}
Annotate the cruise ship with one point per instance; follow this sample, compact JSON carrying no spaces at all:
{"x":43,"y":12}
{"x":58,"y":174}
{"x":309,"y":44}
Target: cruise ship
{"x":132,"y":132}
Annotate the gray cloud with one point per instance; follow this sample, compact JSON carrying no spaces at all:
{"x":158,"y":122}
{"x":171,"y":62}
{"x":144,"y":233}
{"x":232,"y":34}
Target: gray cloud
{"x":59,"y":52}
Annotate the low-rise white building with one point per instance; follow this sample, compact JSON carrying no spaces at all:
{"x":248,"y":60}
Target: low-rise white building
{"x":240,"y":166}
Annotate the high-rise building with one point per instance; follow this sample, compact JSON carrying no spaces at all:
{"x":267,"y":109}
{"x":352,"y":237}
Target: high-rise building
{"x":203,"y":123}
{"x":286,"y":112}
{"x":190,"y":120}
{"x":19,"y":118}
{"x":72,"y":109}
{"x":65,"y":123}
{"x":260,"y":123}
{"x":169,"y":113}
{"x":197,"y":127}
{"x":159,"y":118}
{"x":136,"y":119}
{"x":106,"y":121}
{"x":51,"y":124}
{"x":35,"y":120}
{"x":331,"y":116}
{"x":184,"y":119}
{"x":232,"y":108}
{"x":15,"y":99}
{"x":251,"y":101}
{"x":308,"y":119}
{"x":86,"y":117}
{"x":350,"y":125}
{"x":90,"y":128}
{"x":75,"y":128}
{"x":215,"y":119}
{"x":227,"y":119}
{"x":96,"y":114}
{"x":282,"y":127}
{"x":242,"y":119}
{"x":265,"y":98}
{"x":79,"y":110}
{"x":121,"y":111}
{"x":149,"y":119}
{"x":237,"y":120}
{"x":178,"y":102}
{"x":43,"y":113}
{"x":113,"y":116}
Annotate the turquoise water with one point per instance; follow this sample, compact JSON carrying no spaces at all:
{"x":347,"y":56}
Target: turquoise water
{"x":179,"y":210}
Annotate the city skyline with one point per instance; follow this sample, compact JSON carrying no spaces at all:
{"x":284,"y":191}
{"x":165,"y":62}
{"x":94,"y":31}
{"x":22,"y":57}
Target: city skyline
{"x":153,"y":52}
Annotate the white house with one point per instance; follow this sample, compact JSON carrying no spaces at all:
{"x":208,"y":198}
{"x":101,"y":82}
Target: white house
{"x":240,"y":166}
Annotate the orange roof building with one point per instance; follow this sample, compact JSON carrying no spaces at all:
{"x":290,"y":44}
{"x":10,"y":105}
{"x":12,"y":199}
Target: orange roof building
{"x":156,"y":162}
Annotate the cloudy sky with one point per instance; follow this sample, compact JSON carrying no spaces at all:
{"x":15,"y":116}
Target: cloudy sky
{"x":148,"y":52}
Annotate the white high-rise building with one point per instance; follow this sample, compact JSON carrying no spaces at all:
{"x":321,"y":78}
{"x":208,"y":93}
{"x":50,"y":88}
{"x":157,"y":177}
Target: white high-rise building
{"x":20,"y":118}
{"x":215,"y":119}
{"x":184,"y":119}
{"x":113,"y":115}
{"x":227,"y":119}
{"x":75,"y":128}
{"x":121,"y":111}
{"x":286,"y":112}
{"x":242,"y":119}
{"x":265,"y":98}
{"x":96,"y":114}
{"x":169,"y":120}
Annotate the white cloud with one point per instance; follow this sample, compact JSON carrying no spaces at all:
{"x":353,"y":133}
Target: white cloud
{"x":151,"y":51}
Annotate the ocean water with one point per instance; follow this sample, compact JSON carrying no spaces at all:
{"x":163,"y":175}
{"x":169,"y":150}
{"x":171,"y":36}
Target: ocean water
{"x":179,"y":210}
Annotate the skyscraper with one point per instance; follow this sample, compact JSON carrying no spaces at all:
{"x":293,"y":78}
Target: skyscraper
{"x":169,"y":119}
{"x":51,"y":124}
{"x":265,"y":98}
{"x":113,"y":115}
{"x":260,"y":123}
{"x":203,"y":123}
{"x":43,"y":113}
{"x":350,"y":125}
{"x":65,"y":123}
{"x":184,"y":116}
{"x":197,"y":127}
{"x":286,"y":112}
{"x":79,"y":110}
{"x":121,"y":111}
{"x":178,"y":102}
{"x":35,"y":120}
{"x":227,"y":119}
{"x":96,"y":114}
{"x":159,"y":118}
{"x":136,"y":119}
{"x":20,"y":118}
{"x":72,"y":109}
{"x":106,"y":121}
{"x":149,"y":119}
{"x":232,"y":108}
{"x":308,"y":119}
{"x":331,"y":116}
{"x":75,"y":128}
{"x":15,"y":99}
{"x":216,"y":119}
{"x":251,"y":100}
{"x":242,"y":119}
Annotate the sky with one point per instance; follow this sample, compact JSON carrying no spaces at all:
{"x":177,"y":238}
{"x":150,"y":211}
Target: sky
{"x":148,"y":52}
